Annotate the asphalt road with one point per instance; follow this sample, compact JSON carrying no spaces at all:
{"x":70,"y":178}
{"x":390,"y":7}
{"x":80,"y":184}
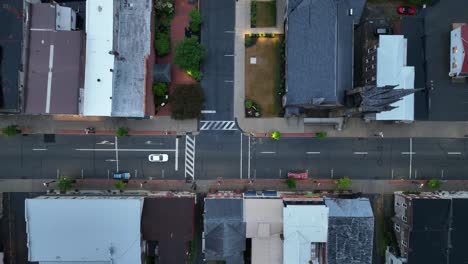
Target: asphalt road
{"x":232,"y":155}
{"x":217,"y":37}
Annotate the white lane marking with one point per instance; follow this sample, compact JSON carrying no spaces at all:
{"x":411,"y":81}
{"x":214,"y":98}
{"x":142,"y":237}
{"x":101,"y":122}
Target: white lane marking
{"x":228,"y":81}
{"x":39,"y":149}
{"x":49,"y":78}
{"x":454,"y":153}
{"x":135,"y":150}
{"x":442,"y":174}
{"x":392,"y":174}
{"x":415,"y":174}
{"x":313,"y":152}
{"x":240,"y":173}
{"x":176,"y":154}
{"x":229,"y":55}
{"x":408,"y":153}
{"x":331,"y":173}
{"x":360,"y":153}
{"x":229,"y":31}
{"x":248,"y":162}
{"x":267,"y":152}
{"x":190,"y":147}
{"x":208,"y":111}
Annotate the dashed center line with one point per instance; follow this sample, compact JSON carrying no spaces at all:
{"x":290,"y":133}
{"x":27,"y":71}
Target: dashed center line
{"x":268,"y":152}
{"x":360,"y":153}
{"x":408,"y":153}
{"x":313,"y":152}
{"x":454,"y":153}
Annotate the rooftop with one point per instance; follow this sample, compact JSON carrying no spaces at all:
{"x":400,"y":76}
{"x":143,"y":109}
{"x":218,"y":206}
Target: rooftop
{"x":350,"y":231}
{"x":303,"y":226}
{"x":264,"y":222}
{"x":169,"y":221}
{"x":319,"y":59}
{"x":392,"y":70}
{"x":224,"y":230}
{"x":107,"y":229}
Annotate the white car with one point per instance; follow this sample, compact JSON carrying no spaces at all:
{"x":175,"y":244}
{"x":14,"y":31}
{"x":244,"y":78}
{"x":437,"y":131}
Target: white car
{"x":158,"y":157}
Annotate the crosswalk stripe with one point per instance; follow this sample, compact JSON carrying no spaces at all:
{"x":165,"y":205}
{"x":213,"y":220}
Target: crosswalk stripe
{"x":190,"y":147}
{"x":218,"y":125}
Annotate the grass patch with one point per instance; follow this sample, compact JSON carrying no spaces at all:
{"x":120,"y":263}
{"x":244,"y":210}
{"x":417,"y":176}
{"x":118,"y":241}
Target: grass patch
{"x":262,"y":79}
{"x":266,"y":14}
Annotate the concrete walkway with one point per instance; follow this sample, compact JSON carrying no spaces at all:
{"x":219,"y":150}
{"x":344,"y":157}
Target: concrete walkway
{"x":203,"y":186}
{"x":31,"y":124}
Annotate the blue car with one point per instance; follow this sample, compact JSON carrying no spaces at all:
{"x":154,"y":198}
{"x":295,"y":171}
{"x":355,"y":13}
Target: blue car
{"x":122,"y":176}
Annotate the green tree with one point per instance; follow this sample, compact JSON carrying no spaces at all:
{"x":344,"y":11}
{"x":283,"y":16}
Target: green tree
{"x":162,"y":43}
{"x":64,"y":184}
{"x":120,"y":185}
{"x":160,"y":89}
{"x":321,"y":134}
{"x":11,"y":130}
{"x":434,"y":183}
{"x":186,"y":101}
{"x":343,"y":183}
{"x":122,"y":131}
{"x":195,"y":20}
{"x":276,"y":135}
{"x":189,"y":54}
{"x":291,"y":183}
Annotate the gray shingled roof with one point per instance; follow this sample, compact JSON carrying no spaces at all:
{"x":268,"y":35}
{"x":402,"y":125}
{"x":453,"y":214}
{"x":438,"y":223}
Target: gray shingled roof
{"x":224,"y":230}
{"x":350,"y":231}
{"x":319,"y":50}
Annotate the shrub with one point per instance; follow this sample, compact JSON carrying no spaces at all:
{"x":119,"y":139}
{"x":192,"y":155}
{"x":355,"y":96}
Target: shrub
{"x":162,"y":43}
{"x":186,"y":101}
{"x":120,"y":185}
{"x":122,"y":131}
{"x":11,"y":130}
{"x":195,"y":74}
{"x":434,"y":183}
{"x":343,"y":183}
{"x":195,"y":20}
{"x":321,"y":134}
{"x":64,"y":184}
{"x":248,"y":104}
{"x":291,"y":182}
{"x":253,"y":13}
{"x":189,"y":54}
{"x":160,"y":89}
{"x":164,"y":7}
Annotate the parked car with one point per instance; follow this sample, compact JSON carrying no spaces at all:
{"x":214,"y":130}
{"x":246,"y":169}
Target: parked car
{"x":125,"y":176}
{"x":382,"y":31}
{"x":297,"y":174}
{"x":158,"y":157}
{"x":406,"y":10}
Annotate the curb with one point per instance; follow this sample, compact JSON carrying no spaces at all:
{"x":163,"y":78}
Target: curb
{"x":264,"y":135}
{"x":112,"y":132}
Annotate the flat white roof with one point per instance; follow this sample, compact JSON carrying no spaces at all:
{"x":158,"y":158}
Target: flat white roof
{"x":392,"y":70}
{"x":99,"y":42}
{"x":94,"y":229}
{"x":303,"y":225}
{"x":264,"y":224}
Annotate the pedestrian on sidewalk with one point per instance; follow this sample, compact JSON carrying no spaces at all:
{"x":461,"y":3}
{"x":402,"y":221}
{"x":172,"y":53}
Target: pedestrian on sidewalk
{"x":380,"y":134}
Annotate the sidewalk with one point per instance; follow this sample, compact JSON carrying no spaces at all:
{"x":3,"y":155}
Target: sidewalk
{"x":42,"y":124}
{"x":203,"y":186}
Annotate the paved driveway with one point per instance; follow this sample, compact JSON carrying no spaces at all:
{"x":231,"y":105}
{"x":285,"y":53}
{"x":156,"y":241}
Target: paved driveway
{"x":218,"y":66}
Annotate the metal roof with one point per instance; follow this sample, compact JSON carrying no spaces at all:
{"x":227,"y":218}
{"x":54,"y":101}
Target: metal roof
{"x":99,"y":60}
{"x":84,"y":229}
{"x":392,"y":70}
{"x":303,"y":225}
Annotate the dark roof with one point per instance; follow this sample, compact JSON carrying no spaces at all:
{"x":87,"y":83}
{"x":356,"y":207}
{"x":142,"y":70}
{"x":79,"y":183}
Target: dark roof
{"x":224,"y":230}
{"x":429,"y":235}
{"x":350,"y":231}
{"x":169,"y":221}
{"x":459,"y":234}
{"x":66,"y":72}
{"x":162,"y":73}
{"x":319,"y":51}
{"x":43,"y":16}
